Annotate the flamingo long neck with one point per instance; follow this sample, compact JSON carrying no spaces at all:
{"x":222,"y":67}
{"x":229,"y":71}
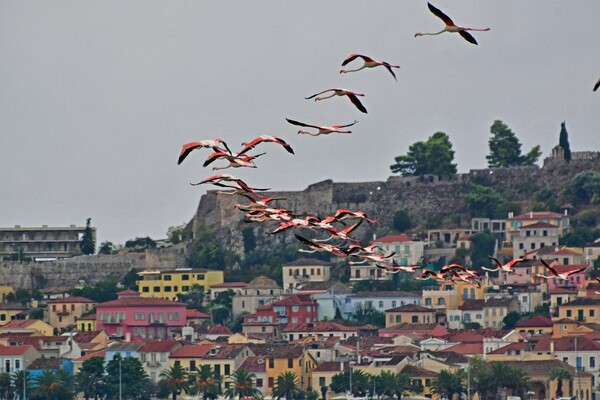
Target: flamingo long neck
{"x":431,"y":33}
{"x":477,"y":29}
{"x":345,"y":71}
{"x":325,"y":97}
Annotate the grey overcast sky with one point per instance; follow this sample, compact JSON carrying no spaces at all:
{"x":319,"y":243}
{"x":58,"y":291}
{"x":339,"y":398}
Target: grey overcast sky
{"x":97,"y":98}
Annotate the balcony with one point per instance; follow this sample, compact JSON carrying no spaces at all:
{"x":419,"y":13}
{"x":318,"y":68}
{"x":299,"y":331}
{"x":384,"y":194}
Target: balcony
{"x":157,"y":321}
{"x":150,"y":363}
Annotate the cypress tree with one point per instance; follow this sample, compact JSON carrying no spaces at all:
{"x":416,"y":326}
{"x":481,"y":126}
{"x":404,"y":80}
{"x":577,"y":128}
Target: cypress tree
{"x":563,"y":141}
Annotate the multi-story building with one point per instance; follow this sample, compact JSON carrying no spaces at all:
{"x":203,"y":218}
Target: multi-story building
{"x":442,"y":297}
{"x":330,"y":297}
{"x":379,"y":301}
{"x":591,"y":251}
{"x":226,"y":359}
{"x":495,"y":309}
{"x":293,"y":308}
{"x":304,"y":270}
{"x":169,"y":283}
{"x":513,"y":224}
{"x":259,"y":292}
{"x":131,"y":315}
{"x":154,"y":356}
{"x":318,"y":329}
{"x":44,"y":242}
{"x":17,"y":358}
{"x":64,"y":313}
{"x":581,"y":309}
{"x":534,"y":236}
{"x":235,"y":287}
{"x":406,"y":252}
{"x":189,"y":357}
{"x":9,"y":312}
{"x":470,"y":311}
{"x":409,"y":313}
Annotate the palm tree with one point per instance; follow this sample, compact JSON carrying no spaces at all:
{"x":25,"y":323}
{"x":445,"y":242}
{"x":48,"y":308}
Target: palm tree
{"x":5,"y":386}
{"x":53,"y":385}
{"x":403,"y":384}
{"x":559,"y":374}
{"x":287,"y":386}
{"x":447,"y":383}
{"x":16,"y":380}
{"x":386,"y":384}
{"x":207,"y":382}
{"x":241,"y":384}
{"x":177,"y":379}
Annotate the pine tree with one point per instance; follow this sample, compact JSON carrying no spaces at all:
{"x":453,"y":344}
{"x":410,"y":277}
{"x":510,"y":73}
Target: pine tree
{"x":563,"y":141}
{"x":87,"y":241}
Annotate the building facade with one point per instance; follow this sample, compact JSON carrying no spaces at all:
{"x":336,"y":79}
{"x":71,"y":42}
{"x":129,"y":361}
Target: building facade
{"x":168,"y":284}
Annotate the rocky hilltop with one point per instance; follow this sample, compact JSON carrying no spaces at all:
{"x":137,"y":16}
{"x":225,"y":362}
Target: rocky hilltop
{"x":421,"y":196}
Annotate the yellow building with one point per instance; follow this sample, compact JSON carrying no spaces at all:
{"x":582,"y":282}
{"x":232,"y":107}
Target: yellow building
{"x":467,"y":291}
{"x":10,"y":312}
{"x":169,"y":283}
{"x":5,"y":290}
{"x":323,"y":374}
{"x":87,"y":323}
{"x":581,"y":309}
{"x":226,"y":359}
{"x":409,"y":313}
{"x":64,"y":313}
{"x":280,"y":358}
{"x":444,"y":297}
{"x":33,"y":327}
{"x":189,"y":357}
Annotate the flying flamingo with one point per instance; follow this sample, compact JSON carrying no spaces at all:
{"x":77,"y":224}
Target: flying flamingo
{"x":265,"y":139}
{"x":297,"y":223}
{"x":597,"y":85}
{"x":563,"y":275}
{"x":451,"y":27}
{"x":256,"y":204}
{"x":343,"y":214}
{"x":353,"y":96}
{"x":335,"y":250}
{"x":341,"y":234}
{"x":506,"y":267}
{"x":218,"y":180}
{"x":235,"y":161}
{"x":207,"y":144}
{"x":322,"y":130}
{"x":437,"y":276}
{"x":368,"y":62}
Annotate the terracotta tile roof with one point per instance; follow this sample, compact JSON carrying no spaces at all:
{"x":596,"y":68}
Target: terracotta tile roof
{"x":273,"y":350}
{"x":403,"y":237}
{"x":567,"y":343}
{"x":472,"y":305}
{"x":466,"y":348}
{"x":295,"y":300}
{"x":323,"y":286}
{"x":411,"y":308}
{"x":262,"y":282}
{"x":160,"y":346}
{"x":227,"y":351}
{"x":86,"y":337}
{"x":14,"y":350}
{"x":191,"y":313}
{"x":254,"y":364}
{"x":140,"y":302}
{"x":20,"y":323}
{"x":45,"y":364}
{"x":416,"y":372}
{"x":71,"y":299}
{"x":89,"y":317}
{"x":100,"y":353}
{"x":229,"y":285}
{"x":582,"y":301}
{"x":449,"y":357}
{"x":125,"y":346}
{"x":538,"y":225}
{"x":474,"y":335}
{"x":564,"y":321}
{"x":331,"y":366}
{"x":565,"y":251}
{"x":537,"y":321}
{"x":569,"y":267}
{"x":325,"y":326}
{"x":563,"y":290}
{"x":13,"y":306}
{"x":192,"y":351}
{"x":511,"y":347}
{"x":219,"y":330}
{"x":406,"y":326}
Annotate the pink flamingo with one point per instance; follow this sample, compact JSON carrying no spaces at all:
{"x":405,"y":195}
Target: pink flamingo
{"x":451,"y":27}
{"x":322,"y":130}
{"x":341,"y":214}
{"x":562,"y":275}
{"x":207,"y":144}
{"x":597,"y":85}
{"x":235,"y":160}
{"x":265,"y":139}
{"x":506,"y":267}
{"x":368,"y":62}
{"x":353,"y":96}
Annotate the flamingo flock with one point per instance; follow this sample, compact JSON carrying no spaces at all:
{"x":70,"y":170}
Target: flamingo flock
{"x":331,"y":234}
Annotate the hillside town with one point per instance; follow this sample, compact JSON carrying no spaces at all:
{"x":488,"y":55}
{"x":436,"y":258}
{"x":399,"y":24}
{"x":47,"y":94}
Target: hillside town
{"x":432,"y":343}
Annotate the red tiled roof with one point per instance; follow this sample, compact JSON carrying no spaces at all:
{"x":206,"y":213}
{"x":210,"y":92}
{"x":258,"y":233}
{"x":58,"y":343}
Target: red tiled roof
{"x":507,"y":348}
{"x":14,"y":350}
{"x":295,"y":300}
{"x":466,"y":348}
{"x":90,"y":317}
{"x":229,"y":285}
{"x":140,"y":302}
{"x":331,"y":366}
{"x":538,"y":225}
{"x":537,"y":321}
{"x":403,"y":237}
{"x":191,"y":313}
{"x":100,"y":353}
{"x":474,"y":335}
{"x":319,"y":327}
{"x":20,"y":323}
{"x":87,"y":336}
{"x":192,"y":351}
{"x":569,"y":267}
{"x":567,"y":343}
{"x":563,"y":290}
{"x":410,"y":308}
{"x":565,"y":252}
{"x":159,"y":346}
{"x":71,"y":299}
{"x":219,"y":330}
{"x":254,"y":364}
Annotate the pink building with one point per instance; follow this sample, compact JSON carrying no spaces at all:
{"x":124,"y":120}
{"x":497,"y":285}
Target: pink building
{"x":131,"y":315}
{"x":576,"y":280}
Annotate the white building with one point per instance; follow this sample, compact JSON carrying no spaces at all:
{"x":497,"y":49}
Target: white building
{"x":380,"y":301}
{"x":304,"y":270}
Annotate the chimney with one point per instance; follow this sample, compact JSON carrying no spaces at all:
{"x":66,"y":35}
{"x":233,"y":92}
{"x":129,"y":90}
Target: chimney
{"x":342,"y":366}
{"x":530,"y":214}
{"x":510,"y":215}
{"x":552,"y":347}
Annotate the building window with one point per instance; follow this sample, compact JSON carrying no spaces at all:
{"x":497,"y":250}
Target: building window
{"x":185,"y":277}
{"x":271,"y":363}
{"x":167,"y":288}
{"x":592,"y":362}
{"x":145,"y":289}
{"x":322,"y":381}
{"x":568,"y":313}
{"x":592,"y":313}
{"x":270,"y":382}
{"x":156,"y":289}
{"x":295,"y":308}
{"x":380,"y":304}
{"x":227,"y":369}
{"x":393,"y":303}
{"x":166,"y":277}
{"x":259,"y":382}
{"x":290,"y":363}
{"x":415,"y":319}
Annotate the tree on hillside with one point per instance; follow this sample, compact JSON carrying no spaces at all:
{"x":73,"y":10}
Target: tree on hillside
{"x":563,"y":141}
{"x":483,"y":247}
{"x":432,"y":157}
{"x":141,"y":243}
{"x":505,"y":148}
{"x":107,"y":248}
{"x":87,"y":244}
{"x":402,"y":221}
